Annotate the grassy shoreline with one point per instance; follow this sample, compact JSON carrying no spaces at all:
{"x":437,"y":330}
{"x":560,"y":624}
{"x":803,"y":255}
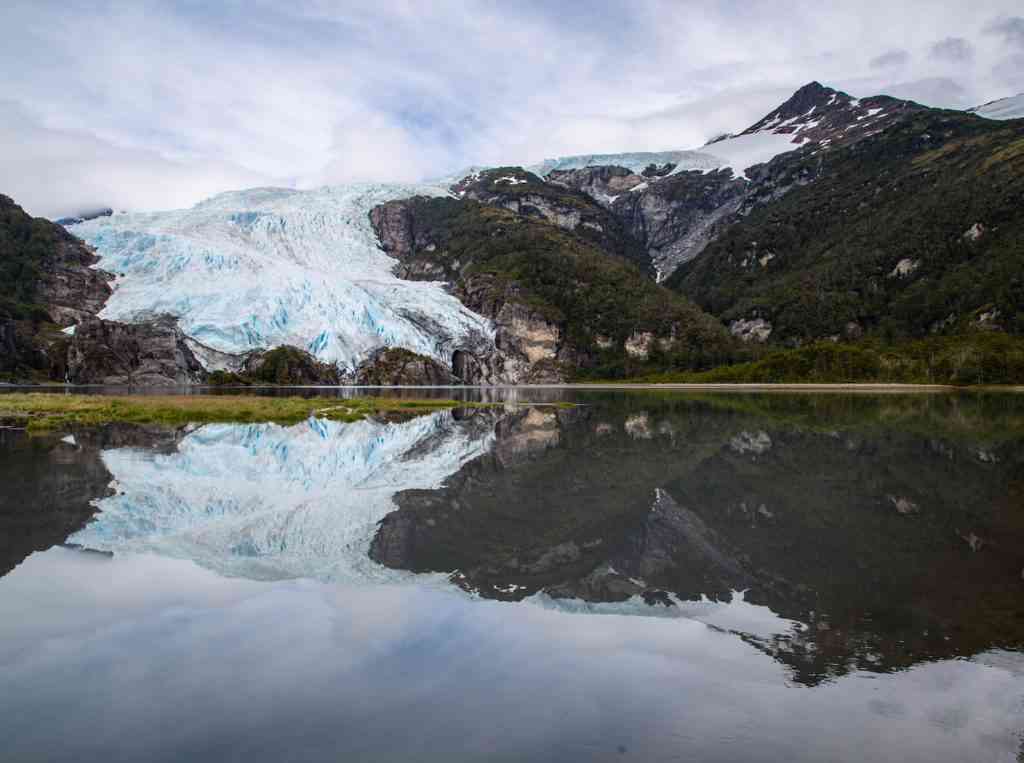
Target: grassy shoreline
{"x":45,"y":412}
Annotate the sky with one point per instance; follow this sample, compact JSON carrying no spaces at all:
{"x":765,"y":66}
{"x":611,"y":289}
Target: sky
{"x":155,"y":105}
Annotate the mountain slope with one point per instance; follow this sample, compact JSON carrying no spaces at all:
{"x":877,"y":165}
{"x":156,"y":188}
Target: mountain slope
{"x":912,"y":230}
{"x":561,"y":305}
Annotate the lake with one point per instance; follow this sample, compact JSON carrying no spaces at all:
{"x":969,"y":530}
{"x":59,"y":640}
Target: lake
{"x":640,"y":575}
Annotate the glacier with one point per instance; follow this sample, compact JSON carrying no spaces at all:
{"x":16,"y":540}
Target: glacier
{"x":737,"y":153}
{"x":258,"y":268}
{"x":267,"y":502}
{"x":1004,"y":108}
{"x":636,"y":161}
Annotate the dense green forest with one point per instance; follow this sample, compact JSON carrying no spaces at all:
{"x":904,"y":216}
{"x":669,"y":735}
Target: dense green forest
{"x":25,"y":243}
{"x":966,"y":359}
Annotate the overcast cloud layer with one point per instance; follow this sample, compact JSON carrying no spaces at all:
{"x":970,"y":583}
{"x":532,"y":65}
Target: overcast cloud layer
{"x":157,"y":105}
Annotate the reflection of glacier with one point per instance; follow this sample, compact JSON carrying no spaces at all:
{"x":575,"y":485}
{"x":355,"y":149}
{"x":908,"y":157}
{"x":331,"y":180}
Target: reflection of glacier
{"x":266,"y":501}
{"x":270,"y":266}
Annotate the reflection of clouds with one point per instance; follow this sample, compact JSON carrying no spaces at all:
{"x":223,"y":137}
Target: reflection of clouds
{"x":162,"y":660}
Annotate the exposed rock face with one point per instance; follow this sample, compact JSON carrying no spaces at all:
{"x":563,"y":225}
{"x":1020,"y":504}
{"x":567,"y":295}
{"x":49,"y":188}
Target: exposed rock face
{"x":674,"y":217}
{"x":70,"y":288}
{"x":395,"y":227}
{"x":150,"y":353}
{"x":530,"y":346}
{"x":396,"y":366}
{"x":751,"y":329}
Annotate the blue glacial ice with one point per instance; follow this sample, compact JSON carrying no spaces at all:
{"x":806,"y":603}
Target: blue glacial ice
{"x":268,"y":266}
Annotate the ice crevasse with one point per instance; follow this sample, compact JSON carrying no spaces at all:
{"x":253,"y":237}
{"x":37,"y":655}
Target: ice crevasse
{"x":263,"y":267}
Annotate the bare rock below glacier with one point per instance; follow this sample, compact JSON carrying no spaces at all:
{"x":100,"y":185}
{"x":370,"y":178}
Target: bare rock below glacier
{"x":147,"y":353}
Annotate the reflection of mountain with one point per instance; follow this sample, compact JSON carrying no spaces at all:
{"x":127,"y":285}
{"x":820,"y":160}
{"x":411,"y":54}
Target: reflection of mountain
{"x":265,"y":501}
{"x":49,"y":484}
{"x":889,"y":541}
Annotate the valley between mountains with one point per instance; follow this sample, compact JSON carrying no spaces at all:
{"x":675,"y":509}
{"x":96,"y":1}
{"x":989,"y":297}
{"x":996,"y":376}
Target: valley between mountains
{"x":836,"y":239}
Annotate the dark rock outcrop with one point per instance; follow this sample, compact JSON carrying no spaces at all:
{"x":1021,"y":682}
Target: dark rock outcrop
{"x":148,"y":353}
{"x":397,"y":366}
{"x":289,"y":365}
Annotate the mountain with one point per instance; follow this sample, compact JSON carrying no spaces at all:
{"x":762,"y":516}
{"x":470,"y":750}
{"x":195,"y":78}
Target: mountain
{"x":676,"y":214}
{"x":832,"y":217}
{"x":913,"y":230}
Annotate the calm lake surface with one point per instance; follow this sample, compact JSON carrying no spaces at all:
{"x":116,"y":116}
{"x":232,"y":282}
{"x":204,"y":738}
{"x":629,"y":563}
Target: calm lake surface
{"x":643,"y":576}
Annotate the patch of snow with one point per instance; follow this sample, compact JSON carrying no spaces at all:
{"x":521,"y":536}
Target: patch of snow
{"x":745,"y":151}
{"x":70,"y":439}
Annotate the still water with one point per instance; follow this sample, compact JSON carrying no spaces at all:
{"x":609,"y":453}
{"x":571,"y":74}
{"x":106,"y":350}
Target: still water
{"x":641,"y":576}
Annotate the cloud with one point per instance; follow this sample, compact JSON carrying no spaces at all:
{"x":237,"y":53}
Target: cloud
{"x":56,"y":172}
{"x":1010,"y":28}
{"x":934,"y":91}
{"x":952,"y":49}
{"x":169,"y":102}
{"x":890,"y":59}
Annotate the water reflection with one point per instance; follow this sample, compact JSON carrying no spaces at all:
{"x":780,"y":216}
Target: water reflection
{"x":890,"y":530}
{"x":168,"y":661}
{"x":833,"y":533}
{"x":683,"y":563}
